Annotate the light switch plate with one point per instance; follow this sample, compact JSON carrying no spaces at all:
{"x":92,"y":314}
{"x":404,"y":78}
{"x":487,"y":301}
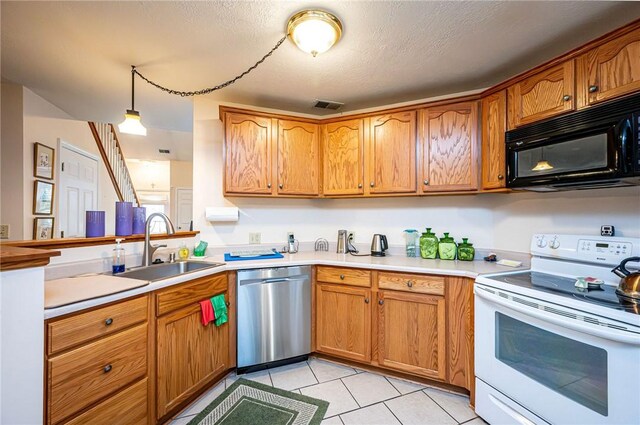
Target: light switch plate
{"x":4,"y":231}
{"x":255,"y":237}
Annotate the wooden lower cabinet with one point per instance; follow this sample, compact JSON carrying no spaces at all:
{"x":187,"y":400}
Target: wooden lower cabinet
{"x":189,"y":356}
{"x":343,"y":321}
{"x":411,"y":333}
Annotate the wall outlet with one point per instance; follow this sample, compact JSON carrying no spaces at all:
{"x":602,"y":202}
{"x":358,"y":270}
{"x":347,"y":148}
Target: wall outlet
{"x":352,"y":237}
{"x":254,"y":238}
{"x":4,"y":231}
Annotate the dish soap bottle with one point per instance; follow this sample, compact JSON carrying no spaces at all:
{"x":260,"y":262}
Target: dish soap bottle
{"x":466,"y":251}
{"x":429,"y":244}
{"x":447,"y":248}
{"x":183,"y":252}
{"x":118,"y":258}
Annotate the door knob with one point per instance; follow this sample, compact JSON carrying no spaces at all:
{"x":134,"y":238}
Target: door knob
{"x":409,"y":283}
{"x":593,"y":89}
{"x":426,"y":182}
{"x":566,"y":98}
{"x":108,"y":321}
{"x":381,"y":302}
{"x":341,"y":277}
{"x":500,"y":177}
{"x":366,"y":300}
{"x":371,"y":184}
{"x":269,"y":185}
{"x":107,"y":368}
{"x":359,"y":185}
{"x":280,"y":185}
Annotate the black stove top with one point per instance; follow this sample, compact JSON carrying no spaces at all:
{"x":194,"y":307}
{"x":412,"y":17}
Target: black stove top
{"x":564,"y":286}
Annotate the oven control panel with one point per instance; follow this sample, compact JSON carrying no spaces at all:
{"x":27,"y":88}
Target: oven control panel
{"x":588,"y":249}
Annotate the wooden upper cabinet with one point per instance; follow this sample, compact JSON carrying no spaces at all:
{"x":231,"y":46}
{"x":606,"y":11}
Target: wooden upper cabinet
{"x":247,"y":152}
{"x":343,"y":158}
{"x":449,"y":147}
{"x":343,"y":321}
{"x":411,"y":333}
{"x":494,"y":117}
{"x":298,"y":158}
{"x":392,"y":153}
{"x":610,"y":70}
{"x":543,"y":95}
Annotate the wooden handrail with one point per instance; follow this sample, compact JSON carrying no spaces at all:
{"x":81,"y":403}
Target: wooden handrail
{"x":103,"y":154}
{"x":115,"y":137}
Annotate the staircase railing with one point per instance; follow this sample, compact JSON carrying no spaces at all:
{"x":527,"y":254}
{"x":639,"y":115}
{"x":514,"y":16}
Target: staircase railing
{"x":111,"y":153}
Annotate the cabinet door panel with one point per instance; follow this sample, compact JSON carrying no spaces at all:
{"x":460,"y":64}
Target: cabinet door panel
{"x":298,"y":158}
{"x":494,"y":117}
{"x":247,"y":152}
{"x":450,"y":147}
{"x":343,"y":158}
{"x":411,"y":333}
{"x":610,"y":70}
{"x":189,"y":355}
{"x":392,"y":153}
{"x":544,"y":95}
{"x":343,"y":322}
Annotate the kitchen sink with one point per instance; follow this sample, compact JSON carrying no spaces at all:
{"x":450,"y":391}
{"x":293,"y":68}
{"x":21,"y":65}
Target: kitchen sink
{"x":166,"y":270}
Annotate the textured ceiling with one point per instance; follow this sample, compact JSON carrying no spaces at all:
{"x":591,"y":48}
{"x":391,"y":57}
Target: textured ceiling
{"x":77,"y":54}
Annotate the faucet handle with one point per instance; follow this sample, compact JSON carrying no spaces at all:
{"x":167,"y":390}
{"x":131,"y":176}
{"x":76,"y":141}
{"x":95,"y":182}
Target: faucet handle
{"x":164,"y":245}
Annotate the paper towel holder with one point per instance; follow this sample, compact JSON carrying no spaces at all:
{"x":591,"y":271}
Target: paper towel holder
{"x":222,"y":214}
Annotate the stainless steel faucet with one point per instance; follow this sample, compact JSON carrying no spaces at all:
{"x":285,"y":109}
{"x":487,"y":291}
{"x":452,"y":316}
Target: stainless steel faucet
{"x":147,"y":255}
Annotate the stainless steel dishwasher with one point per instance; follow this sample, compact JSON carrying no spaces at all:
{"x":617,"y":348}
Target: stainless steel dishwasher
{"x":274,"y":316}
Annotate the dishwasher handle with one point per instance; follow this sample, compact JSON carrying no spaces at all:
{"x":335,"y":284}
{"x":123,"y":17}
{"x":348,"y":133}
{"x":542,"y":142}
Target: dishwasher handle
{"x":273,"y":280}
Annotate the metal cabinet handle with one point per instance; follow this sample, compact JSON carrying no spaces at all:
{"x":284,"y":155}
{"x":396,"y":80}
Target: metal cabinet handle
{"x":280,"y":185}
{"x":107,"y":368}
{"x":228,"y":303}
{"x":366,"y":300}
{"x":372,"y":184}
{"x":381,"y":302}
{"x":108,"y":321}
{"x":269,"y":185}
{"x":500,"y":177}
{"x":409,"y":283}
{"x":341,"y":277}
{"x":359,"y":185}
{"x":593,"y":89}
{"x":426,"y":182}
{"x":566,"y":98}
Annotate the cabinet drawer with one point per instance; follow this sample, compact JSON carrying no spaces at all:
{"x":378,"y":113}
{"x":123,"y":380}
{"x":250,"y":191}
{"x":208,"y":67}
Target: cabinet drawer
{"x":103,"y":321}
{"x":81,"y":377}
{"x":355,"y":277}
{"x":412,"y":283}
{"x":171,"y":299}
{"x":129,"y":407}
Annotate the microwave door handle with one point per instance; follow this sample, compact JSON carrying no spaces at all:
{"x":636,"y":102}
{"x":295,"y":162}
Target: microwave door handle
{"x":623,"y":137}
{"x":598,"y":331}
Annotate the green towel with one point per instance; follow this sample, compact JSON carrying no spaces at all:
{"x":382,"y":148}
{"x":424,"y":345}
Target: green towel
{"x":219,"y":309}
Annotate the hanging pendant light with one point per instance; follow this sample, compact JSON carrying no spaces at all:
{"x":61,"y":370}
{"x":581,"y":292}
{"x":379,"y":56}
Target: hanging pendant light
{"x":542,"y":165}
{"x":314,"y":31}
{"x":131,"y":123}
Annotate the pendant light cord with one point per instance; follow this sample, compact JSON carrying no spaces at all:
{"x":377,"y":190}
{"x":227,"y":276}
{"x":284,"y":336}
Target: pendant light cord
{"x":210,"y":89}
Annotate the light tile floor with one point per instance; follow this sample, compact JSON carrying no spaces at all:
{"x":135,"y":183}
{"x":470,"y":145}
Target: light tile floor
{"x":355,"y":397}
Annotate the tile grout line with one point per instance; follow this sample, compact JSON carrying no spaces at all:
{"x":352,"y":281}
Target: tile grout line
{"x":330,"y":380}
{"x":369,"y":405}
{"x":384,"y":403}
{"x":312,"y":372}
{"x":445,"y":410}
{"x":349,"y":391}
{"x":391,"y":383}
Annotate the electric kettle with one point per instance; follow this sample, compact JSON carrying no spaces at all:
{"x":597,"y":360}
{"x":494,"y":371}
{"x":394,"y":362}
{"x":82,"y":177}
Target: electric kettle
{"x":629,"y":287}
{"x":379,"y":245}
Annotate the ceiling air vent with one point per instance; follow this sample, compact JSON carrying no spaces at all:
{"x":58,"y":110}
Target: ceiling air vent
{"x":164,"y":151}
{"x":327,"y":104}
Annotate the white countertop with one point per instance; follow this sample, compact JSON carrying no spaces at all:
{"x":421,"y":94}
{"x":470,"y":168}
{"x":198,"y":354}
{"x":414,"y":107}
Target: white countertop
{"x":397,"y":263}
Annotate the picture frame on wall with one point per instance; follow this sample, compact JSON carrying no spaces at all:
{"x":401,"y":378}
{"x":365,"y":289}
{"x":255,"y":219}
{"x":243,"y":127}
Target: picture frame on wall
{"x":43,"y":161}
{"x":43,"y":228}
{"x":43,"y":197}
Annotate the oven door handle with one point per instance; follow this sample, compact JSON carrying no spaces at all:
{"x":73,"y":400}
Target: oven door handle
{"x":595,"y":330}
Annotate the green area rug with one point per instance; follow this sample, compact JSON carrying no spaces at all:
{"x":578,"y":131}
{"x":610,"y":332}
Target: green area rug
{"x":247,"y":403}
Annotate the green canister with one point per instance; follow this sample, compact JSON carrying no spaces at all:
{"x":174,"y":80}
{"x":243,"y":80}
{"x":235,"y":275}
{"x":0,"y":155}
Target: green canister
{"x":429,"y":244}
{"x":447,"y":248}
{"x":466,"y":251}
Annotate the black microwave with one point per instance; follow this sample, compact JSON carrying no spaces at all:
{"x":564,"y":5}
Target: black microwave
{"x":594,"y":148}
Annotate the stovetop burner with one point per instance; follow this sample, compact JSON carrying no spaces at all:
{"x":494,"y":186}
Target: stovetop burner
{"x":563,"y":286}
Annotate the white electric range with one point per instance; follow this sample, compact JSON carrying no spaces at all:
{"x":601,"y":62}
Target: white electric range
{"x":549,"y":352}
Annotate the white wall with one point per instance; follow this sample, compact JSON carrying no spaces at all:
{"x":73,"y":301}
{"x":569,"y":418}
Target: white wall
{"x":501,"y":221}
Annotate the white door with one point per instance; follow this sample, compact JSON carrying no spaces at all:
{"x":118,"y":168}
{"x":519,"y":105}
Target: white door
{"x":184,"y":208}
{"x":78,"y":189}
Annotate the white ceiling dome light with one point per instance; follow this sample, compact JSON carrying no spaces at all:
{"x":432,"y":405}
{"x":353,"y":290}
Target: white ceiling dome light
{"x":314,"y":31}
